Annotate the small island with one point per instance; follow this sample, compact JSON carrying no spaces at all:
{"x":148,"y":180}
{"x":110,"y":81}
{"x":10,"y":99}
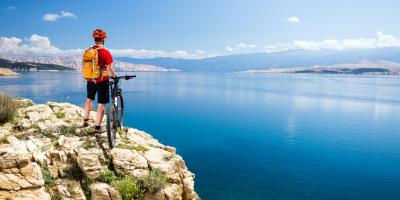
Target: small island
{"x":7,"y":72}
{"x":363,"y":68}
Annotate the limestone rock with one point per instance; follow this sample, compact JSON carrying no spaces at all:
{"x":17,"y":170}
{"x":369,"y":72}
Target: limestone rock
{"x":103,"y":191}
{"x":69,"y":189}
{"x":29,"y":176}
{"x":128,"y":162}
{"x":36,"y":138}
{"x":166,"y":162}
{"x":26,"y":194}
{"x":90,"y":165}
{"x":14,"y":160}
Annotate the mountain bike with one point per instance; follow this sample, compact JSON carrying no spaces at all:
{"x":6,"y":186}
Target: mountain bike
{"x":115,"y":111}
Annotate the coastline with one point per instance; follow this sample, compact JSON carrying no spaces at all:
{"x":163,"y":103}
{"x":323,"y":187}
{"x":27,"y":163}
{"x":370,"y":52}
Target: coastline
{"x":47,"y":142}
{"x":7,"y":72}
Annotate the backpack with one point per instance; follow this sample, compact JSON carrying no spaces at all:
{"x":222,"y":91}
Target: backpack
{"x":90,"y":64}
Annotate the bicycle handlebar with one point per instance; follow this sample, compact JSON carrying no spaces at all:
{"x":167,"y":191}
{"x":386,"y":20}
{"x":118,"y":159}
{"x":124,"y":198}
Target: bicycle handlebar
{"x":126,"y":77}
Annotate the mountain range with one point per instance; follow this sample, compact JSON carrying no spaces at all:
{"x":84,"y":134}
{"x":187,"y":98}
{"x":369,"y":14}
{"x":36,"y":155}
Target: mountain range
{"x":259,"y":61}
{"x":231,"y":63}
{"x":30,"y":66}
{"x":75,"y":62}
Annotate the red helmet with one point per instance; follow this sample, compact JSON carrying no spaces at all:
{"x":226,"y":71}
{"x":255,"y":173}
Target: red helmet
{"x":98,"y":33}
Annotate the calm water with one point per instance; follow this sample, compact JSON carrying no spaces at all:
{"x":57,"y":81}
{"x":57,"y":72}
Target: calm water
{"x":249,"y":136}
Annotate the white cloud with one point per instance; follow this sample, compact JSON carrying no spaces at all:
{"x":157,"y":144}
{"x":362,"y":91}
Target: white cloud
{"x":240,"y":46}
{"x":52,"y":17}
{"x":293,"y":20}
{"x":36,"y":45}
{"x":380,"y":41}
{"x":11,"y":7}
{"x":41,"y":45}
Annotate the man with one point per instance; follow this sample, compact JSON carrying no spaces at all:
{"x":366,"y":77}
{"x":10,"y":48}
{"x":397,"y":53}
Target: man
{"x":99,"y":85}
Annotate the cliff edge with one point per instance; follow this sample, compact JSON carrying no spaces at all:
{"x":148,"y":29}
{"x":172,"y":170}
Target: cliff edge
{"x":45,"y":153}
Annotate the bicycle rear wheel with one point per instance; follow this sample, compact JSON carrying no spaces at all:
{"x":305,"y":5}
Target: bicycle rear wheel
{"x":111,"y":126}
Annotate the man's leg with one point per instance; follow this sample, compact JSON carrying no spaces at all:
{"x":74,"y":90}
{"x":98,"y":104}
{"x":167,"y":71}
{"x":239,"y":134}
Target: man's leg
{"x":91,"y":93}
{"x":100,"y":114}
{"x":103,"y":98}
{"x":88,"y":107}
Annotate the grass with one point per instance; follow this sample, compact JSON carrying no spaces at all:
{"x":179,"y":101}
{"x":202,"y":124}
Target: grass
{"x":68,"y":131}
{"x":107,"y":176}
{"x":132,"y":147}
{"x":129,"y":188}
{"x":60,"y":114}
{"x":49,"y":180}
{"x":89,"y":144}
{"x":8,"y":108}
{"x":46,"y":147}
{"x":35,"y":126}
{"x":154,"y":181}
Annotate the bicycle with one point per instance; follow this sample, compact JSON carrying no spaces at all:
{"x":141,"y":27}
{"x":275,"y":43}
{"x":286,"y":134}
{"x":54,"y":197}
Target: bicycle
{"x":115,"y":111}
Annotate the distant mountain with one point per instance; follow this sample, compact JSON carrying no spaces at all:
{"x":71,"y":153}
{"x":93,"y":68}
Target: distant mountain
{"x":257,"y":61}
{"x":364,"y":67}
{"x":30,"y":66}
{"x":75,"y":62}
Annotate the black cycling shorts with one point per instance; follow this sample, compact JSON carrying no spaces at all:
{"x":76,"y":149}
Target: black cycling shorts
{"x":102,"y":90}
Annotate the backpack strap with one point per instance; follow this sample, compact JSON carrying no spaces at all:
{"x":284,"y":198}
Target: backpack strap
{"x":101,"y":69}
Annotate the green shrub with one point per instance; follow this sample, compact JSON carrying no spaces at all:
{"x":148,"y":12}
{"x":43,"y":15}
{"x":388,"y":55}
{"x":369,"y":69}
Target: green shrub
{"x":89,"y":144}
{"x":129,"y":188}
{"x":132,"y":147}
{"x":68,"y":130}
{"x":47,"y":177}
{"x":154,"y":181}
{"x":60,"y":114}
{"x":8,"y":108}
{"x":107,"y":176}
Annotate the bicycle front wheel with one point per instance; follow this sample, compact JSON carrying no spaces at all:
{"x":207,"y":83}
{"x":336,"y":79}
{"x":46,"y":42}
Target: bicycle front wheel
{"x":120,"y":113}
{"x":111,"y":126}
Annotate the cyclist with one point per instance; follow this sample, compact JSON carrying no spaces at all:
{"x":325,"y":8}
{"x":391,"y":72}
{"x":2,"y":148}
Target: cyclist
{"x":99,"y":85}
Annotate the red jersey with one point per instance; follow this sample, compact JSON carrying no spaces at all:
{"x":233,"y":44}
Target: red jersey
{"x":105,"y":58}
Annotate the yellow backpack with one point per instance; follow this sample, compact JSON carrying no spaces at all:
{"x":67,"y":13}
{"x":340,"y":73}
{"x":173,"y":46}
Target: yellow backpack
{"x":90,"y":64}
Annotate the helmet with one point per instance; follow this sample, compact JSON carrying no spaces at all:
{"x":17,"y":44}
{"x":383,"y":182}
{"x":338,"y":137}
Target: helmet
{"x":98,"y":33}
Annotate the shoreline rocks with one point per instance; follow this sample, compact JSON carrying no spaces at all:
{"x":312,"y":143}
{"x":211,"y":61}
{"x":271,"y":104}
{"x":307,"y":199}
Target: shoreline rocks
{"x":46,"y":153}
{"x":7,"y":72}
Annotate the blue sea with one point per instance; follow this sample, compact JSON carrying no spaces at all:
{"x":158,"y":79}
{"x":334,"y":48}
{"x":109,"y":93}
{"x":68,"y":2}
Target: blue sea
{"x":260,"y":136}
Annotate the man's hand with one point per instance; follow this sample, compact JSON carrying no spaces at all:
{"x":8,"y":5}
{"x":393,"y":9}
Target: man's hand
{"x":111,"y":70}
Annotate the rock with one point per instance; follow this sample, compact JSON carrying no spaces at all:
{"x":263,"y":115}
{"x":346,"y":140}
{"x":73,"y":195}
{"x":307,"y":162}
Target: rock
{"x":68,"y":154}
{"x":70,"y":189}
{"x":188,"y":186}
{"x":90,"y":165}
{"x":166,"y":162}
{"x":29,"y":176}
{"x":128,"y":162}
{"x":26,"y":194}
{"x":7,"y":72}
{"x":14,"y":160}
{"x":103,"y":191}
{"x":39,"y":112}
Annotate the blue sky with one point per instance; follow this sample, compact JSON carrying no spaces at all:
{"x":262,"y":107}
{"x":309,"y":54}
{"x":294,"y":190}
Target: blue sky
{"x":203,"y":27}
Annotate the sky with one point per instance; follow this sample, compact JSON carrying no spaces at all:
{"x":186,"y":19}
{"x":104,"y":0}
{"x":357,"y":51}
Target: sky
{"x":196,"y":28}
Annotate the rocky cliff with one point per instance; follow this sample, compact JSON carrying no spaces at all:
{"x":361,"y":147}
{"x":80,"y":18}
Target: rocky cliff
{"x":47,"y":154}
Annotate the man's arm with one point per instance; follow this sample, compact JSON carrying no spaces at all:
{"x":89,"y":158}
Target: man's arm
{"x":110,"y":70}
